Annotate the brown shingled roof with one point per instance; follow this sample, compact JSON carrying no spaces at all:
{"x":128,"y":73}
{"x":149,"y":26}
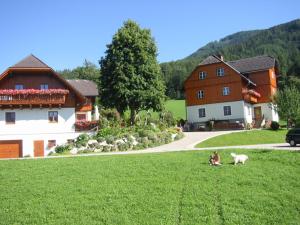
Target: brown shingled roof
{"x":30,"y":62}
{"x":85,"y":87}
{"x":210,"y":60}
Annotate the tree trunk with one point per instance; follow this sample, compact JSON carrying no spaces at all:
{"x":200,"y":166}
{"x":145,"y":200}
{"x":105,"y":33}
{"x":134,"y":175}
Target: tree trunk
{"x":132,"y":117}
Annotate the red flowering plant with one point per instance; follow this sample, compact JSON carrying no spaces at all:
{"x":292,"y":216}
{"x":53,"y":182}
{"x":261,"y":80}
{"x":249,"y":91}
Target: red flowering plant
{"x":33,"y":92}
{"x":82,"y":125}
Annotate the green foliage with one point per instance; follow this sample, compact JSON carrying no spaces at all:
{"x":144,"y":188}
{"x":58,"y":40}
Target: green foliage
{"x":131,"y":76}
{"x":287,"y":103}
{"x":82,"y":140}
{"x":88,"y":71}
{"x":63,"y":148}
{"x":274,"y":125}
{"x":167,"y":118}
{"x":281,"y":42}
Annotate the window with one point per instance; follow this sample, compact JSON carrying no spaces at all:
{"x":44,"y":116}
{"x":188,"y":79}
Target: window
{"x":249,"y":110}
{"x":200,"y":94}
{"x":226,"y":91}
{"x":51,"y":143}
{"x":202,"y":75}
{"x":227,"y":110}
{"x":220,"y":72}
{"x":10,"y":117}
{"x":273,"y":75}
{"x":19,"y":87}
{"x":201,"y":112}
{"x":53,"y":116}
{"x":80,"y":117}
{"x":44,"y":86}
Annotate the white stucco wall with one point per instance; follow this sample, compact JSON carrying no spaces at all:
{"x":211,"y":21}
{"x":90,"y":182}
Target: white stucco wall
{"x":33,"y":125}
{"x":248,"y":110}
{"x":268,"y":112}
{"x":215,"y":111}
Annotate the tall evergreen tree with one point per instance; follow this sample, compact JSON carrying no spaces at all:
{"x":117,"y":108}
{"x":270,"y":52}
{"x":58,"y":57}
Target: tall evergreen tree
{"x":130,"y":74}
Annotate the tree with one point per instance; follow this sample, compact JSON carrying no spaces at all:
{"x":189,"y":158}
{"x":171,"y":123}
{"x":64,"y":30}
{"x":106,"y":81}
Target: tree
{"x":287,"y":103}
{"x":88,"y":71}
{"x":130,"y":74}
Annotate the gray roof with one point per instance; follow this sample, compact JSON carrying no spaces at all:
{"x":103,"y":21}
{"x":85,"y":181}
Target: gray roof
{"x":253,"y":64}
{"x":85,"y":87}
{"x":30,"y":62}
{"x":246,"y":65}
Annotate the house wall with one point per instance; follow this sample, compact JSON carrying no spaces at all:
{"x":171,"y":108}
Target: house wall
{"x":265,"y":84}
{"x":33,"y":125}
{"x":248,"y":112}
{"x":215,"y":111}
{"x":268,"y":111}
{"x":33,"y":80}
{"x":213,"y":85}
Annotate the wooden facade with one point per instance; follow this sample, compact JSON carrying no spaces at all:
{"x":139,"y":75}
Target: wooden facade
{"x":238,"y":84}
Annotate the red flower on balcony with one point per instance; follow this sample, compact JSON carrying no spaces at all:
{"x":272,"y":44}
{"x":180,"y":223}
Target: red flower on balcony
{"x":83,"y":125}
{"x":33,"y":92}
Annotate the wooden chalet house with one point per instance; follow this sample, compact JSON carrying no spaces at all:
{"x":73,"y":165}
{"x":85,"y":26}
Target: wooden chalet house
{"x":233,"y":94}
{"x":39,"y":108}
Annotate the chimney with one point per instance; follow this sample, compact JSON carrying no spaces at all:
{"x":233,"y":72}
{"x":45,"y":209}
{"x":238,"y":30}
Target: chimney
{"x":220,"y":57}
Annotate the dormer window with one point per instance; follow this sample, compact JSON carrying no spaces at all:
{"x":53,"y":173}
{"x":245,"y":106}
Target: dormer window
{"x":44,"y":86}
{"x":202,"y":75}
{"x":200,"y":94}
{"x":220,"y":72}
{"x":226,"y":91}
{"x":19,"y":87}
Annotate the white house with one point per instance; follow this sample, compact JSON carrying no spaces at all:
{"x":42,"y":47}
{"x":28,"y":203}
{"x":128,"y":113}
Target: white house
{"x":39,"y":108}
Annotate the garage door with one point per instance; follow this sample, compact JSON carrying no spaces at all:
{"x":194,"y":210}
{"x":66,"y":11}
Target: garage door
{"x":11,"y":149}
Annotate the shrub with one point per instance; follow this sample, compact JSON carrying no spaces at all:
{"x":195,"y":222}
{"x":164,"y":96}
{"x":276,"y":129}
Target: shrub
{"x":82,"y":140}
{"x":63,"y":148}
{"x":110,"y":139}
{"x":167,"y":118}
{"x":179,"y":136}
{"x":274,"y":125}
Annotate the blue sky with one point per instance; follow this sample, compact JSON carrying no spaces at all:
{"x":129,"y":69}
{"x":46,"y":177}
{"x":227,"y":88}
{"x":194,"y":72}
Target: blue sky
{"x":64,"y":33}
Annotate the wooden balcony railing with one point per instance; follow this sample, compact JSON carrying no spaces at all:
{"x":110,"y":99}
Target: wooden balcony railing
{"x":33,"y":97}
{"x":250,"y":95}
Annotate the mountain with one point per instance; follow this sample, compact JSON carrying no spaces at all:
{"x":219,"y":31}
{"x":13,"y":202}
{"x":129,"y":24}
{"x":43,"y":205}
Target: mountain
{"x":281,"y":42}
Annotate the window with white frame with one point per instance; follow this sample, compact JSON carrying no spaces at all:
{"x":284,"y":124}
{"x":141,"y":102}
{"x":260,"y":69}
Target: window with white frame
{"x":201,"y":112}
{"x":202,"y":75}
{"x":227,"y":110}
{"x":226,"y":90}
{"x":200,"y":94}
{"x":249,"y":110}
{"x":220,"y":72}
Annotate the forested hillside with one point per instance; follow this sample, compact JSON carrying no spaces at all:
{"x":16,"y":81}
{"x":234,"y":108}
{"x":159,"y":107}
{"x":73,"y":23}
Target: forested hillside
{"x":281,"y":42}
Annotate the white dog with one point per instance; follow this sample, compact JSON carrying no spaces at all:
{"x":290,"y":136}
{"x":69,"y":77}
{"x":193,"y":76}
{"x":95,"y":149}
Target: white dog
{"x":239,"y":158}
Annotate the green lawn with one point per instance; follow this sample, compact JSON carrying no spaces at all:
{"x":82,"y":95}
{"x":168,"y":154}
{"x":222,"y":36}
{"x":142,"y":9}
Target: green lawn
{"x":177,"y":107}
{"x":168,"y":188}
{"x":245,"y":138}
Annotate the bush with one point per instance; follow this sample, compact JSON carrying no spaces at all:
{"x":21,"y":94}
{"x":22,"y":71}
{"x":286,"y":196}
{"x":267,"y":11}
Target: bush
{"x":274,"y":125}
{"x":63,"y":148}
{"x":167,"y":117}
{"x":82,"y":140}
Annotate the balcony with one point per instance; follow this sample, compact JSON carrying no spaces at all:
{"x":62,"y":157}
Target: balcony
{"x":250,"y":95}
{"x":33,"y":97}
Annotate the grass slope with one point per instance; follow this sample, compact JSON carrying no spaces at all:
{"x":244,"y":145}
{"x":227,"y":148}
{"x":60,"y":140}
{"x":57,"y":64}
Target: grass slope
{"x":177,"y":107}
{"x":245,"y":138}
{"x":169,"y":188}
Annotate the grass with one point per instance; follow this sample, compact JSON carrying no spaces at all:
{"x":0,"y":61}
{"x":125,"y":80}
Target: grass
{"x":169,"y":188}
{"x":177,"y":107}
{"x":245,"y":138}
